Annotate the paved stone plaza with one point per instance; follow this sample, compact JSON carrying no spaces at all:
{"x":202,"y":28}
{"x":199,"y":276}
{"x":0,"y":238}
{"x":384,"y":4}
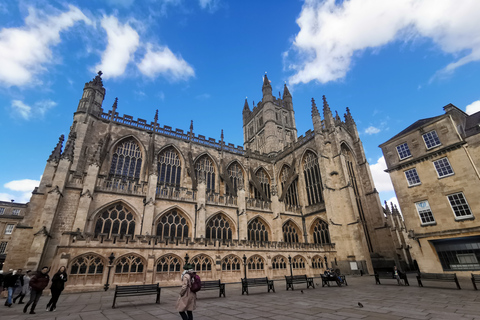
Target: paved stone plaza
{"x":389,"y":301}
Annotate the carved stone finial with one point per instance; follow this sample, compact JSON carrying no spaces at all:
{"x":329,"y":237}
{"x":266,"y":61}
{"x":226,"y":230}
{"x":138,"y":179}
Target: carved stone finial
{"x":57,"y":152}
{"x":221,"y":135}
{"x":286,"y":92}
{"x":98,"y":79}
{"x":314,"y":109}
{"x":191,"y":125}
{"x":69,"y":147}
{"x":156,"y":116}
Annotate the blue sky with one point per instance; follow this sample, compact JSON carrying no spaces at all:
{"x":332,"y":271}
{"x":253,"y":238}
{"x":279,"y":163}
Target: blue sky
{"x":390,"y":62}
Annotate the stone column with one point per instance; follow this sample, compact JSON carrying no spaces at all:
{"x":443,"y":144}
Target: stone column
{"x":201,"y":214}
{"x":86,"y":197}
{"x":242,"y":210}
{"x":149,"y":210}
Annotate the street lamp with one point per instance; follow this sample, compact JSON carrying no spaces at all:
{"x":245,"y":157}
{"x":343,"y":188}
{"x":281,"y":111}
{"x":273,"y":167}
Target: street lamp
{"x":186,"y":258}
{"x":245,"y":266}
{"x":326,"y":262}
{"x":290,"y":261}
{"x":110,"y":265}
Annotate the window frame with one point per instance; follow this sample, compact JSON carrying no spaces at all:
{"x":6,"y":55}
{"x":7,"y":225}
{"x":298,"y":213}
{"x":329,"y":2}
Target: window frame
{"x":459,"y":218}
{"x":3,"y":247}
{"x":408,"y":180}
{"x":429,"y":223}
{"x":7,"y":227}
{"x":449,"y":164}
{"x":2,"y":211}
{"x":398,"y":152}
{"x":425,"y":141}
{"x":15,"y":212}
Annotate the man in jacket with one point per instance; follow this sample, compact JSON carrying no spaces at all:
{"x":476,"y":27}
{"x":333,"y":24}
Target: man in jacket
{"x":38,"y":282}
{"x":10,"y":282}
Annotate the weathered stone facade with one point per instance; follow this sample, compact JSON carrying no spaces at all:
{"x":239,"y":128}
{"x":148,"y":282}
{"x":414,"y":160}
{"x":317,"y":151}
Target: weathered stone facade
{"x":434,"y":167}
{"x":11,"y":213}
{"x":151,"y":195}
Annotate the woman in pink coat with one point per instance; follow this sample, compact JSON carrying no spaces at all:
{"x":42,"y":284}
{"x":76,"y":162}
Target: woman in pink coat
{"x":187,"y":300}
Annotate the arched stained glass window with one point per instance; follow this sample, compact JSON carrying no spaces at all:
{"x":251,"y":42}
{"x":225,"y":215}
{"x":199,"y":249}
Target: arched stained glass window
{"x":262,"y":176}
{"x":169,"y":168}
{"x":298,"y":262}
{"x":88,"y":264}
{"x":172,"y":225}
{"x":116,"y":219}
{"x":219,"y":227}
{"x":204,"y":168}
{"x":290,"y":233}
{"x":201,"y":263}
{"x":169,"y":263}
{"x":317,"y":262}
{"x":235,"y":174}
{"x":255,"y":263}
{"x":257,"y":230}
{"x":321,"y":234}
{"x":313,"y":180}
{"x":279,"y":262}
{"x":129,"y":264}
{"x":231,"y":263}
{"x":291,"y":197}
{"x":126,"y":160}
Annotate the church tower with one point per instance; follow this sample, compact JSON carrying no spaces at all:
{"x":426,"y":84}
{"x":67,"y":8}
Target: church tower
{"x":270,"y":126}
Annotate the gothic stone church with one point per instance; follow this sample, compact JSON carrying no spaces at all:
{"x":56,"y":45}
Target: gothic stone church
{"x":140,"y":199}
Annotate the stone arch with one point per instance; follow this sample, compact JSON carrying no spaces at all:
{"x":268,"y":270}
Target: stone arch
{"x":292,"y":233}
{"x":86,"y":269}
{"x":177,"y":149}
{"x":209,"y":170}
{"x":233,"y":176}
{"x":255,"y":233}
{"x":291,"y":193}
{"x":231,"y":262}
{"x":312,"y":177}
{"x":306,"y":151}
{"x":117,"y":170}
{"x":129,"y":268}
{"x":279,"y":262}
{"x":168,"y":173}
{"x":319,"y":231}
{"x":118,"y":213}
{"x":256,"y":262}
{"x":318,"y":262}
{"x":219,"y":226}
{"x":265,"y":170}
{"x":202,"y":263}
{"x":299,"y":262}
{"x":173,"y":223}
{"x":168,"y":267}
{"x":265,"y":181}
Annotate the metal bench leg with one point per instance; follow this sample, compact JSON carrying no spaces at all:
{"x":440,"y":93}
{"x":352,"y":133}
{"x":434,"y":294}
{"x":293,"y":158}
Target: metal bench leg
{"x":474,"y":284}
{"x":114,"y":299}
{"x":419,"y":282}
{"x":158,"y":296}
{"x":458,"y":284}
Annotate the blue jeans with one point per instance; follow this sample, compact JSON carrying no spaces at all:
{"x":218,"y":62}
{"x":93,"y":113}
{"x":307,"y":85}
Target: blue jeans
{"x":10,"y":295}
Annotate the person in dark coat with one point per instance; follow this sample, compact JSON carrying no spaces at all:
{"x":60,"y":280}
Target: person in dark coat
{"x":58,"y":284}
{"x":10,"y":282}
{"x":38,"y":282}
{"x":25,"y":288}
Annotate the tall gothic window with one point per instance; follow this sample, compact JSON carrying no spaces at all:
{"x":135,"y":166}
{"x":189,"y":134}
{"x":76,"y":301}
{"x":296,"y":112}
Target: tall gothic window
{"x":89,"y":264}
{"x":126,"y":160}
{"x":231,"y":263}
{"x":204,"y":168}
{"x":129,"y":264}
{"x":116,"y":219}
{"x":290,"y":233}
{"x":291,"y":197}
{"x":201,"y":263}
{"x":321,"y":234}
{"x":257,"y":230}
{"x":235,"y":174}
{"x":169,"y":168}
{"x":255,"y":263}
{"x":172,"y":225}
{"x":313,"y":181}
{"x":264,"y":183}
{"x":218,"y":227}
{"x":279,"y":262}
{"x":169,"y":263}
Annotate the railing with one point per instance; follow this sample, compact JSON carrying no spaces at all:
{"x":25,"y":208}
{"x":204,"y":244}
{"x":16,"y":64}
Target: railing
{"x":258,"y":204}
{"x":216,"y":198}
{"x":294,"y":209}
{"x":176,"y":193}
{"x":121,"y":186}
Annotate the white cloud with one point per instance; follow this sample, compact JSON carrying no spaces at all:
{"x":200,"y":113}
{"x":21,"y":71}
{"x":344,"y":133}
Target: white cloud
{"x":331,"y":32}
{"x":22,"y":185}
{"x":473,"y":107}
{"x":121,"y":3}
{"x":380,"y":177}
{"x":123,"y":41}
{"x":372,"y":130}
{"x":25,"y":51}
{"x":26,"y":112}
{"x":163,"y":61}
{"x":210,"y":5}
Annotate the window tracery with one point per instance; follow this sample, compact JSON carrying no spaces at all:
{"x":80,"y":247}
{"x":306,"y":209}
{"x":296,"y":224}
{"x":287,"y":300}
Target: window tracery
{"x":129,"y":264}
{"x":291,"y":197}
{"x":235,"y":174}
{"x":204,"y":168}
{"x":290,"y":233}
{"x":264,"y":183}
{"x":172,"y":225}
{"x":298,"y":262}
{"x":321,"y":233}
{"x":317,"y":262}
{"x":169,"y":168}
{"x":231,"y":263}
{"x":116,"y":219}
{"x":313,"y":180}
{"x":89,"y":264}
{"x":279,"y":262}
{"x":169,"y":263}
{"x":201,"y":263}
{"x":218,"y":227}
{"x":126,"y":160}
{"x":257,"y":230}
{"x":255,"y":263}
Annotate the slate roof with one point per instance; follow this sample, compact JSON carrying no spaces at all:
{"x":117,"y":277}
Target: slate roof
{"x":417,"y":124}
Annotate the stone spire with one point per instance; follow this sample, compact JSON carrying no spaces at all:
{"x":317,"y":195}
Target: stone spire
{"x":57,"y":152}
{"x":190,"y":133}
{"x":155,"y":121}
{"x":348,"y":118}
{"x":327,"y":114}
{"x":114,"y":109}
{"x":387,"y":208}
{"x":221,"y":136}
{"x":287,"y":98}
{"x":97,"y":81}
{"x":69,"y":147}
{"x":314,"y":109}
{"x":337,"y":118}
{"x":267,"y":89}
{"x":316,"y":119}
{"x":246,"y":107}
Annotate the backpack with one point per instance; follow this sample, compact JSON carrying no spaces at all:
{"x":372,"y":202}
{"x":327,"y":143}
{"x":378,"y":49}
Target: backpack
{"x":196,"y":284}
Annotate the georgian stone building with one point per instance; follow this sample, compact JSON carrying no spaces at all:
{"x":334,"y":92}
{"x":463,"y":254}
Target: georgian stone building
{"x":149,"y":197}
{"x":434,"y":167}
{"x":11,"y":213}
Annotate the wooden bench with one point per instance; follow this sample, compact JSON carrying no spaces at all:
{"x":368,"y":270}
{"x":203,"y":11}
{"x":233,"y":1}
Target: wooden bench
{"x":327,"y":279}
{"x":213,"y":285}
{"x":390,"y":275}
{"x":139,"y":290}
{"x":475,"y":280}
{"x":448,"y":277}
{"x":256,"y":282}
{"x":291,"y":280}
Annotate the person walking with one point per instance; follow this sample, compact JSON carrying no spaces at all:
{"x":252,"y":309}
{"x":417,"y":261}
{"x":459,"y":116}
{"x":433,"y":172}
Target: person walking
{"x":10,"y":282}
{"x":37,"y":283}
{"x":58,"y":284}
{"x":187,"y":300}
{"x":25,"y":288}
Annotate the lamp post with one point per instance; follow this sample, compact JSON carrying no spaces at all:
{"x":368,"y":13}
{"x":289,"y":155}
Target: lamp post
{"x":245,"y":266}
{"x":186,"y":258}
{"x":110,"y":265}
{"x":326,"y":262}
{"x":290,"y":261}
